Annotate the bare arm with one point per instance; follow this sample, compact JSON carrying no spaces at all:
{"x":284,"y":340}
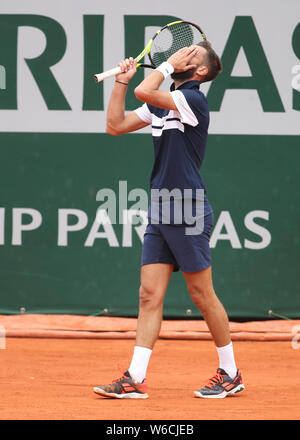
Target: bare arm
{"x":116,"y":121}
{"x":148,"y":90}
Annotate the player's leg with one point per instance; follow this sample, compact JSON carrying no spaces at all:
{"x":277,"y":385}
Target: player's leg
{"x":158,"y":263}
{"x":192,"y":254}
{"x":200,"y":287}
{"x":154,"y":282}
{"x":228,"y":379}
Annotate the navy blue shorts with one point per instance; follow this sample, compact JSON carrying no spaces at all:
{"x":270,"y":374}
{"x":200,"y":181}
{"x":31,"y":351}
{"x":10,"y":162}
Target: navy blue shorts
{"x":170,"y":244}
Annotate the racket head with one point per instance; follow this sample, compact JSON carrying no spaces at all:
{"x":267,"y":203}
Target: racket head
{"x":164,"y":43}
{"x":171,"y":38}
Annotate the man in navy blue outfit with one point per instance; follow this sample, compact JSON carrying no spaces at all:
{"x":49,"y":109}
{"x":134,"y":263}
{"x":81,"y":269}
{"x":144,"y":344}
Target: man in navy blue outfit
{"x":179,"y":120}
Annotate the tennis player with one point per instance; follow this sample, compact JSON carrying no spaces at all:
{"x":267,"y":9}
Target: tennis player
{"x":179,"y":120}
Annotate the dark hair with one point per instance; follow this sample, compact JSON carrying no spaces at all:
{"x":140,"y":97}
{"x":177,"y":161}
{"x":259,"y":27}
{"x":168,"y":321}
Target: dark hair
{"x":212,"y":61}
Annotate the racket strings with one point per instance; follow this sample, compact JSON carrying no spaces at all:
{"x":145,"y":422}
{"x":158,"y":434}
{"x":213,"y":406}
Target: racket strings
{"x":173,"y":38}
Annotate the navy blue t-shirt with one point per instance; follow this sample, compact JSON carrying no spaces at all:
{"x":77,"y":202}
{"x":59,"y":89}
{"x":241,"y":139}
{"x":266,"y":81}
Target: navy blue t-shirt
{"x":179,"y":138}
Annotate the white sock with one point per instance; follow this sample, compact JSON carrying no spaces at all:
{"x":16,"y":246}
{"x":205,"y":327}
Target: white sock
{"x":139,"y":363}
{"x":226,"y":360}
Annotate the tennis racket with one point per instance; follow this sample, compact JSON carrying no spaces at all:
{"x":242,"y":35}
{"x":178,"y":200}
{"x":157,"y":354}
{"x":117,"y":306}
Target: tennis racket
{"x":165,"y":42}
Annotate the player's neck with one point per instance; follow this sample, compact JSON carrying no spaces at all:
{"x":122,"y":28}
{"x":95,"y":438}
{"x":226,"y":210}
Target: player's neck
{"x":179,"y":82}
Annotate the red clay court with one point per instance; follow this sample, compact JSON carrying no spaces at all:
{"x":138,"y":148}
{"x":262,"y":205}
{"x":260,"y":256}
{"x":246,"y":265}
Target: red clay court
{"x":52,"y":378}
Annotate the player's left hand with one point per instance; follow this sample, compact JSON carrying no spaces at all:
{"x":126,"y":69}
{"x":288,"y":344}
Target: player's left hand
{"x":180,"y":59}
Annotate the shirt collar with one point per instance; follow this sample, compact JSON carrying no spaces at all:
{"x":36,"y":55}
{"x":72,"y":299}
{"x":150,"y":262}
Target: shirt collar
{"x":186,"y":85}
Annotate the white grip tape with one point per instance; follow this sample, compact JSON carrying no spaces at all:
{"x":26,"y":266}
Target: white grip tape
{"x":101,"y":76}
{"x":165,"y":68}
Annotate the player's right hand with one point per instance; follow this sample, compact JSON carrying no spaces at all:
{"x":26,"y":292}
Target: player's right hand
{"x":128,"y":67}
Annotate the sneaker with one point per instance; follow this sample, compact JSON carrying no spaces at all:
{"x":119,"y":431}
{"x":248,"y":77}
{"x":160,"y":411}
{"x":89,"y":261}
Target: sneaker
{"x":123,"y":388}
{"x":221,"y":385}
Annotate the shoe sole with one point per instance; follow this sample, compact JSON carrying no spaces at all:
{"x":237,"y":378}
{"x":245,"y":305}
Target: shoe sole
{"x":121,"y":396}
{"x":236,"y":390}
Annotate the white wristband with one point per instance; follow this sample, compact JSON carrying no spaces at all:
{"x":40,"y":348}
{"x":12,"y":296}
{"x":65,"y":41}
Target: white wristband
{"x":165,"y":68}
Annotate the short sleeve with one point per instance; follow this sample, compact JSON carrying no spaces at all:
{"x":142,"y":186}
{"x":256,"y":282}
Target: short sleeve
{"x":144,"y":113}
{"x":187,"y":115}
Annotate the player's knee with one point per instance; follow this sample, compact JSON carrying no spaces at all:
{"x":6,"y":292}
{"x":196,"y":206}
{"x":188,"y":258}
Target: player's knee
{"x":201,"y":295}
{"x":150,"y":297}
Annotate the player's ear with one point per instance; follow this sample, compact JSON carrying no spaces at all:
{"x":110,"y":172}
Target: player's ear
{"x":202,"y":71}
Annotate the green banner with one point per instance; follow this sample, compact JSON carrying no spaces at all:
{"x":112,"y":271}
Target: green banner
{"x":46,"y":267}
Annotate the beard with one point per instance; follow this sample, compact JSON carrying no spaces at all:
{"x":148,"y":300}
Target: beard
{"x":181,"y":76}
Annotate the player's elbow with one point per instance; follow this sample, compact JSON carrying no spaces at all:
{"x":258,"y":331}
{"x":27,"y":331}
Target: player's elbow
{"x":141,"y":93}
{"x":112,"y":131}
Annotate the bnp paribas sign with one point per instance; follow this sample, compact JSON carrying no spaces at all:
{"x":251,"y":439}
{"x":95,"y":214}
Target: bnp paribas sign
{"x":50,"y":50}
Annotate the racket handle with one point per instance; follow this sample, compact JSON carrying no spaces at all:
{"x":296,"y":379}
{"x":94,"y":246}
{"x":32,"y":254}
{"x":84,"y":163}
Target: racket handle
{"x":101,"y":76}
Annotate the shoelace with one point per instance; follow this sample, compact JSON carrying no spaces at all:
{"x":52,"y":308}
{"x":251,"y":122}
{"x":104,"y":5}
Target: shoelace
{"x":122,"y":370}
{"x":214,"y":380}
{"x":118,"y":380}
